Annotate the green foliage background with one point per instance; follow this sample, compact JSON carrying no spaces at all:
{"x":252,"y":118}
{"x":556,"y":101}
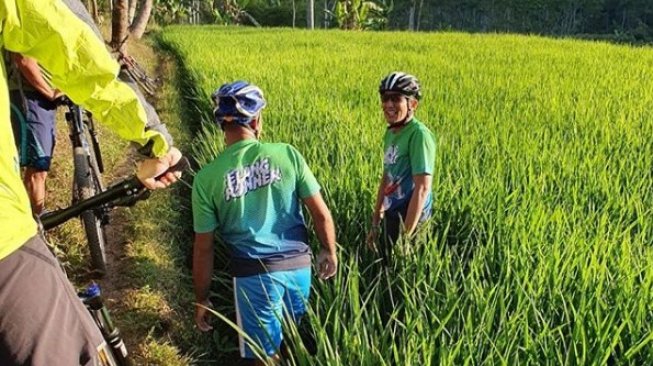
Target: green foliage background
{"x":616,"y":20}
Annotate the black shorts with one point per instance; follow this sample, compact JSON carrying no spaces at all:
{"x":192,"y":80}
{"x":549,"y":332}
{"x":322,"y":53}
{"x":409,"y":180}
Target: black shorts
{"x":392,"y":224}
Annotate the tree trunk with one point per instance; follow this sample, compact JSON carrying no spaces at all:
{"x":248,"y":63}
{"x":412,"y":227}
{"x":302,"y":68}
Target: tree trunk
{"x":91,"y":6}
{"x":132,"y":11}
{"x":411,"y":16}
{"x":294,"y":12}
{"x":138,"y":27}
{"x":196,"y":11}
{"x":419,"y":14}
{"x":310,"y":14}
{"x":119,"y":25}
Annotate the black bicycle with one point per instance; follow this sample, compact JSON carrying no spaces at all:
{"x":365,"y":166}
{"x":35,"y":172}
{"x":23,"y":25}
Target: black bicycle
{"x":137,"y":73}
{"x":133,"y":69}
{"x":87,"y":179}
{"x":124,"y":193}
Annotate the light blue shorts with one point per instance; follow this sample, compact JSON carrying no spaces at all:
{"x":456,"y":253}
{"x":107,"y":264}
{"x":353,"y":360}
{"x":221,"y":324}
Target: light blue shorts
{"x":263,"y":300}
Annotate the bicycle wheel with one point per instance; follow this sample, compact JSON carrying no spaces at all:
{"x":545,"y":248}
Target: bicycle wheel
{"x":87,"y":184}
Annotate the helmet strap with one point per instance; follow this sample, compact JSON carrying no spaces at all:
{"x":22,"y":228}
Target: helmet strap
{"x":255,"y":126}
{"x":400,"y":123}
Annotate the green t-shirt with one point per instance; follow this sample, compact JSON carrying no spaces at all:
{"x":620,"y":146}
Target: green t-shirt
{"x":251,"y":195}
{"x":409,"y":152}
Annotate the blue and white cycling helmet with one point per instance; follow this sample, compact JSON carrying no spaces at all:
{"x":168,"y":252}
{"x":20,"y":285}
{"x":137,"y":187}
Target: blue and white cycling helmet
{"x":401,"y":83}
{"x":237,"y":102}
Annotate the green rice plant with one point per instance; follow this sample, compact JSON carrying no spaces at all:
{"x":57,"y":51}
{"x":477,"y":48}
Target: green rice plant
{"x":538,"y":251}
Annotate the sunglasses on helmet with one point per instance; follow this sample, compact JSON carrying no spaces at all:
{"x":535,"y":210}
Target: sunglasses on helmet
{"x":394,"y":98}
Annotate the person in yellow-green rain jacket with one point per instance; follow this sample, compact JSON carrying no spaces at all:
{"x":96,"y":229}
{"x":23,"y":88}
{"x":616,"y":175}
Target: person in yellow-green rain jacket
{"x":34,"y":105}
{"x":42,"y":322}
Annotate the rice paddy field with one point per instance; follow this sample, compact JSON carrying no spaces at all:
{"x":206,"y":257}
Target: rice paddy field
{"x":540,"y":246}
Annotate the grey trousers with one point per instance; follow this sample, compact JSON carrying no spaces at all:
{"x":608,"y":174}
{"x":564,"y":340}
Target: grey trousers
{"x":42,"y":321}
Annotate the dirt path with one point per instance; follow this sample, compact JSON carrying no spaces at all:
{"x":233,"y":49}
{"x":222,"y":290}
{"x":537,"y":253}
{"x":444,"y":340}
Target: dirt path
{"x":144,"y":289}
{"x":116,"y":285}
{"x":145,"y":320}
{"x":116,"y":240}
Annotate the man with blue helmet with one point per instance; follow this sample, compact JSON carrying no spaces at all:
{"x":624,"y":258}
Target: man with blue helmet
{"x":404,"y":194}
{"x":251,"y":196}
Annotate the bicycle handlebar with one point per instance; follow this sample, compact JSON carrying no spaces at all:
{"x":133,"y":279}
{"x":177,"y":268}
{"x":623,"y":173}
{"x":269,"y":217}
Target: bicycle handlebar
{"x":128,"y":187}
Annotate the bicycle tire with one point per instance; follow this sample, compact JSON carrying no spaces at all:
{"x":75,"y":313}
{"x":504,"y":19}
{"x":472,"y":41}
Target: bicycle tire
{"x":87,"y":184}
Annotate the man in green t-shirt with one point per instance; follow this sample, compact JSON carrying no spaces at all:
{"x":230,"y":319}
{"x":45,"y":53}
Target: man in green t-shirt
{"x":251,"y":196}
{"x":404,"y":195}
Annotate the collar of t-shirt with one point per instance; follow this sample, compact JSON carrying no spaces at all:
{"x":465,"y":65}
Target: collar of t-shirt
{"x":404,"y":127}
{"x":241,"y":144}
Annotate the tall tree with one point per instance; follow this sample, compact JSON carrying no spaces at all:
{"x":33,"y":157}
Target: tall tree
{"x":132,"y":10}
{"x":411,"y":15}
{"x":326,"y":14}
{"x":418,"y":21}
{"x":137,"y":29}
{"x":93,"y":9}
{"x":310,"y":14}
{"x":119,"y":24}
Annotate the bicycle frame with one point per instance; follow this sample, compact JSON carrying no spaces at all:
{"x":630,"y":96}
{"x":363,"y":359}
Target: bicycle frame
{"x":124,"y":193}
{"x":137,"y":73}
{"x":87,"y":181}
{"x":118,"y":352}
{"x":76,"y":126}
{"x":121,"y":192}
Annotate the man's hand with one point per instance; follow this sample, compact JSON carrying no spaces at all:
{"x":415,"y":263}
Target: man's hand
{"x":372,"y":237}
{"x":201,"y":315}
{"x":327,"y":264}
{"x":151,"y":168}
{"x":56,"y":94}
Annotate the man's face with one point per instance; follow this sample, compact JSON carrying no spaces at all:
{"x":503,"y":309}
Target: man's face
{"x":395,"y":106}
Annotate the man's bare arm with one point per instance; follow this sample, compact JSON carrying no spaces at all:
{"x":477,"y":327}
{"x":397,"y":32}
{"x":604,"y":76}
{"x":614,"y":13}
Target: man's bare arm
{"x":421,"y":192}
{"x":30,"y":69}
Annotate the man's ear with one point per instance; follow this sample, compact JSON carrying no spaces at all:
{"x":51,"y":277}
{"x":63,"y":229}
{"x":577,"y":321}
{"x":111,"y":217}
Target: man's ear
{"x":256,"y":125}
{"x":413,"y":103}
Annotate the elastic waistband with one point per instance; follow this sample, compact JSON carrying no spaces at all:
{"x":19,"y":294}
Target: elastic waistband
{"x":240,"y":267}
